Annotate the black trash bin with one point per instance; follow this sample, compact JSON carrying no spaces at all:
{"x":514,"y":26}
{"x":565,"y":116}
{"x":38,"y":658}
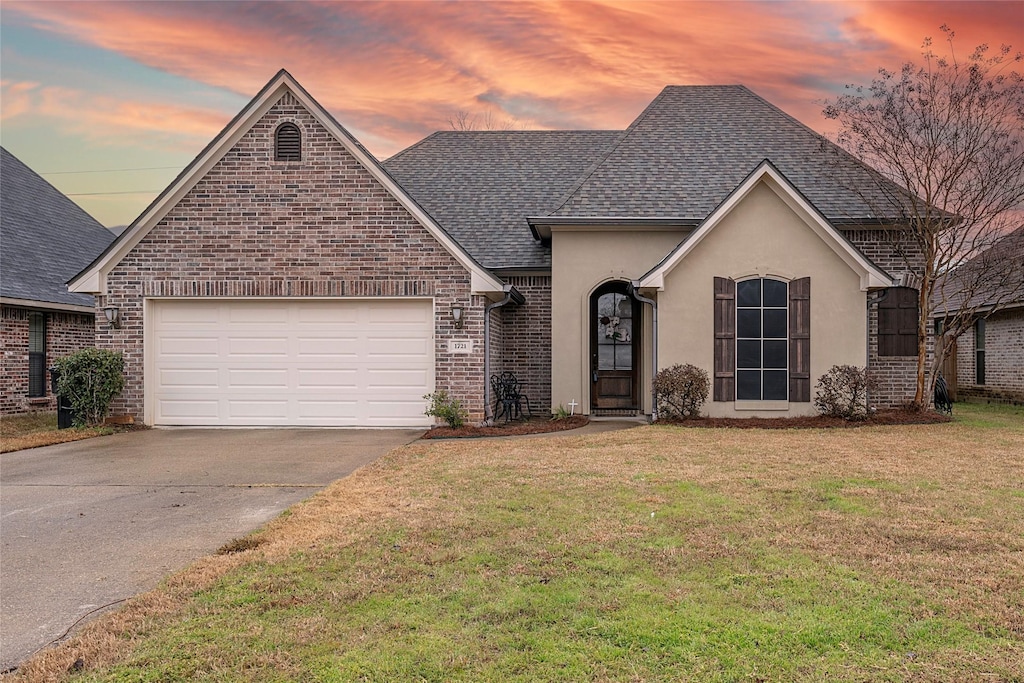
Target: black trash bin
{"x":65,"y":415}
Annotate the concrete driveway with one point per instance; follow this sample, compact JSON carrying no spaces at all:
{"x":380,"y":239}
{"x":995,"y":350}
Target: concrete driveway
{"x":88,"y":523}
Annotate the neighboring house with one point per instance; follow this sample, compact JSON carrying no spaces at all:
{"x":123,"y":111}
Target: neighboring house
{"x":287,"y":277}
{"x":45,"y":239}
{"x":987,"y":361}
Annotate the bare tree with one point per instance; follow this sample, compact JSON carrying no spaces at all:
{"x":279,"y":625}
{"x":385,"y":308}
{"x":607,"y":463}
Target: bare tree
{"x":946,"y":138}
{"x":463,"y":120}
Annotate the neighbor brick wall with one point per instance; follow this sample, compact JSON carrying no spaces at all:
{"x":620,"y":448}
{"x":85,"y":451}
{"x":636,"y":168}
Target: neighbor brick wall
{"x":527,"y":350}
{"x":320,"y":227}
{"x":66,"y":333}
{"x":896,"y":375}
{"x":1004,"y":360}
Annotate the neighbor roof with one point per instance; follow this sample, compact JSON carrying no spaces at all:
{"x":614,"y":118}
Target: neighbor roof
{"x":482,"y":185}
{"x":694,"y":145}
{"x":45,"y":237}
{"x":992,"y":279}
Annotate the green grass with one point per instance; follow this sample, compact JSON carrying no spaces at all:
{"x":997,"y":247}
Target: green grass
{"x":652,"y":554}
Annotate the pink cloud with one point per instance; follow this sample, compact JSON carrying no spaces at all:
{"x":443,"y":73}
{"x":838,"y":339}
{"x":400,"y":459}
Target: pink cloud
{"x":393,"y":72}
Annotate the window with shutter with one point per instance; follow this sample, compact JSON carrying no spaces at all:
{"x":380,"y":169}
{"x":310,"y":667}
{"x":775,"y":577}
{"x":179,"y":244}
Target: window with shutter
{"x":897,"y":323}
{"x":762,"y":340}
{"x":800,"y":340}
{"x":979,"y":351}
{"x":36,"y":354}
{"x":288,"y":143}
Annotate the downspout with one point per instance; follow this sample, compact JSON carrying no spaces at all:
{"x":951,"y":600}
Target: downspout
{"x":654,"y":352}
{"x":512,"y":295}
{"x":867,"y":343}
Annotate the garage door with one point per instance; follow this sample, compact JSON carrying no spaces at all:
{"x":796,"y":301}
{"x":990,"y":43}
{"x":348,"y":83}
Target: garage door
{"x":291,"y":362}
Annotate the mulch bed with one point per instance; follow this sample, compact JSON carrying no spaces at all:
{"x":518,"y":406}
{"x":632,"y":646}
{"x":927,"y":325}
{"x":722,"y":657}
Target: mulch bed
{"x":536,"y":425}
{"x":882,"y":417}
{"x":539,"y":425}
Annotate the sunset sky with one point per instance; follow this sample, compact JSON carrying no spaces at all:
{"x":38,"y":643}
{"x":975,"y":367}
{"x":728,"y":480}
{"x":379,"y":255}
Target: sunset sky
{"x":90,"y":86}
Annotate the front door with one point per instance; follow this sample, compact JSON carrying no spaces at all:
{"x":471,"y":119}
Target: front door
{"x":614,"y":348}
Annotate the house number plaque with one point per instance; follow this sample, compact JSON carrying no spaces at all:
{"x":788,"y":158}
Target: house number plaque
{"x":460,"y":346}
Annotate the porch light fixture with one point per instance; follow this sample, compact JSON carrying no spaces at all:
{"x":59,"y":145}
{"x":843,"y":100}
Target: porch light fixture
{"x":113,"y":316}
{"x":457,"y":316}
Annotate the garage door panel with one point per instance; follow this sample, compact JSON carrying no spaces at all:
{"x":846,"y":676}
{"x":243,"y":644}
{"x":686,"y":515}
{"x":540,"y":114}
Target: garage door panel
{"x":303,"y":362}
{"x":188,"y":408}
{"x":261,"y":377}
{"x":328,"y":347}
{"x":189,"y":346}
{"x":189,"y":378}
{"x":328,"y":379}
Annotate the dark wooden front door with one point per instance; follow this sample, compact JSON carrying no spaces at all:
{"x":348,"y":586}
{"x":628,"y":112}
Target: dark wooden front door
{"x":614,"y":348}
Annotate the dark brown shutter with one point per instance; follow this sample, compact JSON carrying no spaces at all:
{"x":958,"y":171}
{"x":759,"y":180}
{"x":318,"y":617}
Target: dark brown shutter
{"x":800,"y":340}
{"x":725,"y":339}
{"x":897,"y":323}
{"x":288,"y":143}
{"x":906,"y":322}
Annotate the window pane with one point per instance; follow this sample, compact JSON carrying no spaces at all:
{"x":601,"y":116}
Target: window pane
{"x":776,"y":385}
{"x":748,"y":385}
{"x":605,"y":357}
{"x":775,"y":293}
{"x":775,"y":324}
{"x":36,"y":333}
{"x":748,"y":293}
{"x":623,"y":356}
{"x":775,"y":353}
{"x":748,"y":323}
{"x":748,"y":353}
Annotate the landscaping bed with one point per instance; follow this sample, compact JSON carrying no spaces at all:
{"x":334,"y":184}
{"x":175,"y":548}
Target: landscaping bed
{"x":901,"y":416}
{"x":534,"y":425}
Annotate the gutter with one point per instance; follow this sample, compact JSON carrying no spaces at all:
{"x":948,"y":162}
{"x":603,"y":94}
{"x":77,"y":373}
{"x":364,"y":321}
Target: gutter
{"x":632,"y":289}
{"x":512,"y":295}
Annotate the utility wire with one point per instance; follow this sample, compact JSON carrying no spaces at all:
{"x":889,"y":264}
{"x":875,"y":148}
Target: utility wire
{"x":112,"y":170}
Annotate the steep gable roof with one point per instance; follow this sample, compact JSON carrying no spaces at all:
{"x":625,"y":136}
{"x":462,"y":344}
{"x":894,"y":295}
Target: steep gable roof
{"x":693,"y":144}
{"x":45,"y":237}
{"x":765,"y":172}
{"x":481,"y":185}
{"x":93,"y":278}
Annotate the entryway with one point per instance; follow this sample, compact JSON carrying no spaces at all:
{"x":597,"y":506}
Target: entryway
{"x":614,"y":351}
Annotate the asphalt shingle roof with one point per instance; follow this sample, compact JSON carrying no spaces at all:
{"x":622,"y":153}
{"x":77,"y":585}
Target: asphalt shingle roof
{"x":482,"y":185}
{"x":993,"y":276}
{"x":693,"y":145}
{"x":45,"y":238}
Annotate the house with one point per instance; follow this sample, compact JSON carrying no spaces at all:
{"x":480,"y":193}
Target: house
{"x":287,"y":277}
{"x":986,"y":362}
{"x":45,"y":239}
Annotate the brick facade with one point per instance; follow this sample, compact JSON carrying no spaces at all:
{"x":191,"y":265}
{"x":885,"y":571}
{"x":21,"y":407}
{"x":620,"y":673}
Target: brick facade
{"x":1004,"y":360}
{"x":896,"y":375}
{"x":527,"y":339}
{"x":321,"y":227}
{"x":66,"y":332}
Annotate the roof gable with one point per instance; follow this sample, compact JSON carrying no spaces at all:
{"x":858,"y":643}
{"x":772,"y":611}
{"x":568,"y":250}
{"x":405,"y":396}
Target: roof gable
{"x":46,"y":237}
{"x":871,"y":276}
{"x":93,"y":278}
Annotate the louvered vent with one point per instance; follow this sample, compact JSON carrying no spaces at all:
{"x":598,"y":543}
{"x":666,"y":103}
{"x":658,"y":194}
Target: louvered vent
{"x":288,"y":143}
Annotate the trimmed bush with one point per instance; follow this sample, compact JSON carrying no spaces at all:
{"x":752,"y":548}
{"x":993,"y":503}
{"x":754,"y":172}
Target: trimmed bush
{"x":89,"y":380}
{"x":843,"y":392}
{"x":447,"y":408}
{"x":681,"y":390}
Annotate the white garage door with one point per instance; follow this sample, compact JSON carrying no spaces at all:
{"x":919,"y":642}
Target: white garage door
{"x":361,"y":363}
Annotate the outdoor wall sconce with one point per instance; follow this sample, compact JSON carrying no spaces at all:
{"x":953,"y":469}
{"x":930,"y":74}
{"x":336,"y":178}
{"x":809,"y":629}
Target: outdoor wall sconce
{"x":457,"y":316}
{"x":113,"y":316}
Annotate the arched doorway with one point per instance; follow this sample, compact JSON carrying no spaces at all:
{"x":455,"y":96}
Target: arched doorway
{"x":614,"y":349}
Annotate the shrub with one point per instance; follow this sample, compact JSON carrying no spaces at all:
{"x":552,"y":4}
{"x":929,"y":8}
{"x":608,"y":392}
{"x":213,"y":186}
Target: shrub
{"x":447,"y":408}
{"x":843,"y":392}
{"x":560,"y":413}
{"x":89,"y":380}
{"x":681,"y":390}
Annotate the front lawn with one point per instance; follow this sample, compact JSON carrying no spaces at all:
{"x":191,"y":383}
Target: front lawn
{"x":651,"y":554}
{"x":32,"y":430}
